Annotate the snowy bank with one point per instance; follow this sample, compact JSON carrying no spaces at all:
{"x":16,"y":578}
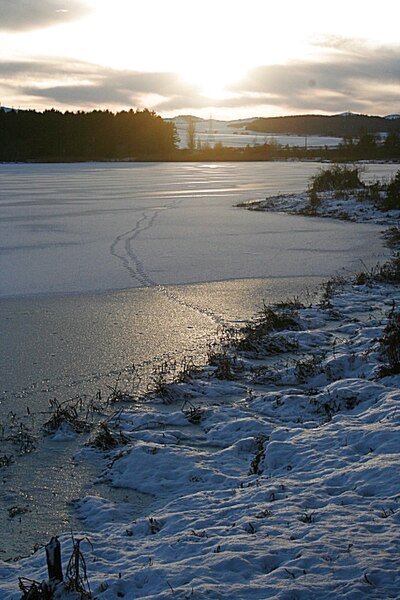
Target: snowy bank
{"x":339,"y":192}
{"x":347,"y":208}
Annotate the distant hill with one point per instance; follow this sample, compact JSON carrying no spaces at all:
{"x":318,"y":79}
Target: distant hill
{"x":343,"y":125}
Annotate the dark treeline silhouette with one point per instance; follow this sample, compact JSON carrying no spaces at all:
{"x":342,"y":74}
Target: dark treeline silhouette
{"x":365,"y":147}
{"x":99,"y":135}
{"x":369,"y":146}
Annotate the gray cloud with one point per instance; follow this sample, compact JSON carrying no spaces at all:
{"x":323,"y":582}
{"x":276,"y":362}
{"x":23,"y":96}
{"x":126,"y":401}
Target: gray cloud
{"x":91,"y":85}
{"x":46,"y":68}
{"x":352,"y":79}
{"x":22,"y":15}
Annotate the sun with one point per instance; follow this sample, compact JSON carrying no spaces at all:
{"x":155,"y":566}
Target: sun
{"x":212,"y":79}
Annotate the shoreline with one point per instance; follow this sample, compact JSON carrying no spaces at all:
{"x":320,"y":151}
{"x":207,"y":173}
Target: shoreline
{"x":360,"y":161}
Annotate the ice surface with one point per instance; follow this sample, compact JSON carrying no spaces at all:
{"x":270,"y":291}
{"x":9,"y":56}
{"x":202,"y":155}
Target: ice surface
{"x":102,"y":227}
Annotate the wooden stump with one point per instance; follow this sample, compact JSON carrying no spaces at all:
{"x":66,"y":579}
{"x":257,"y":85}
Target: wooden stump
{"x":53,"y":557}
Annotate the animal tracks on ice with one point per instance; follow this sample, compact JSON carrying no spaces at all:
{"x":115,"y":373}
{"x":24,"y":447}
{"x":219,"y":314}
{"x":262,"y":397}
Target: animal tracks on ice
{"x":217,"y":319}
{"x":123,"y":249}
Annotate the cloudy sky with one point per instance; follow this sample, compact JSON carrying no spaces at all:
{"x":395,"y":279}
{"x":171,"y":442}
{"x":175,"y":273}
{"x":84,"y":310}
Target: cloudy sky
{"x":227,"y":58}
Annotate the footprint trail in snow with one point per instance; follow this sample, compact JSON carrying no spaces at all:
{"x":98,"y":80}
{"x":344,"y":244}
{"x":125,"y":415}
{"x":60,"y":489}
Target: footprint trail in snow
{"x":123,"y":249}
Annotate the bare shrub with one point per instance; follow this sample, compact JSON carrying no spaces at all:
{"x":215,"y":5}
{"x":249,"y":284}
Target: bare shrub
{"x":193,"y":413}
{"x":390,"y":345}
{"x":336,"y":178}
{"x":279,"y":318}
{"x":392,"y":199}
{"x":392,"y":237}
{"x":70,"y":412}
{"x":106,"y":439}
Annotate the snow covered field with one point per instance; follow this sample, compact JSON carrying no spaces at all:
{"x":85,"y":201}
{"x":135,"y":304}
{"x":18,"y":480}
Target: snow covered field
{"x":272,"y":473}
{"x":214,"y":132}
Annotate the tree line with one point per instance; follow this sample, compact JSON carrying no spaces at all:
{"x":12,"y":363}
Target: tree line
{"x":96,"y":135}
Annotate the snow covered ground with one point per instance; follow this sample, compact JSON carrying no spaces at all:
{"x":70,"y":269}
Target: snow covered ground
{"x":345,"y":208}
{"x":271,"y":473}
